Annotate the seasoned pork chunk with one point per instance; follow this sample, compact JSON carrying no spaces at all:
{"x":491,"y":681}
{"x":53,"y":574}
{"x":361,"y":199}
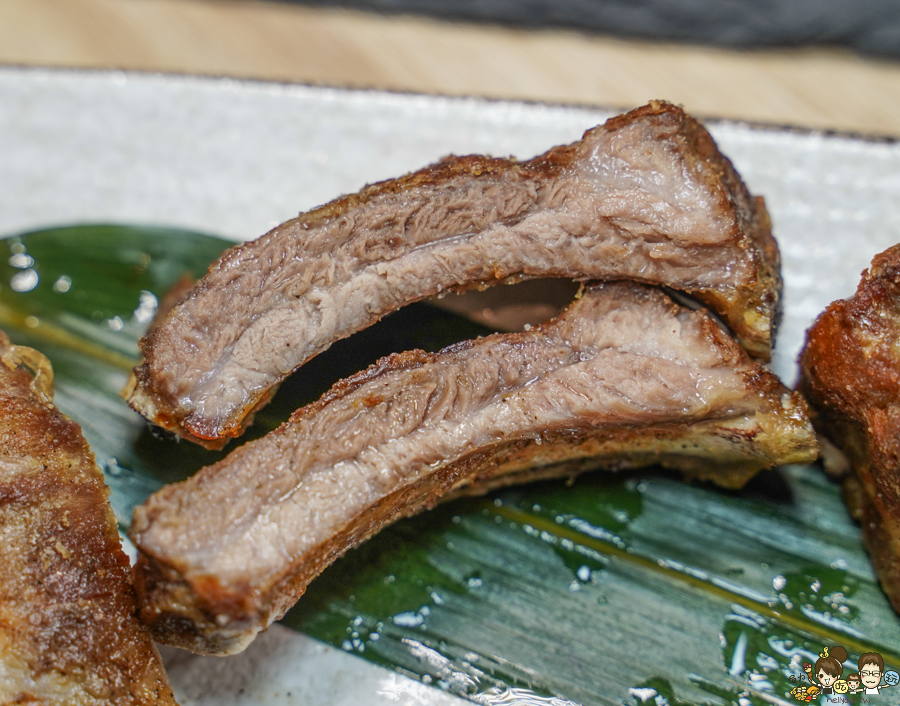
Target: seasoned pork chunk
{"x":69,"y":635}
{"x":623,"y":378}
{"x":647,"y":196}
{"x":850,"y":370}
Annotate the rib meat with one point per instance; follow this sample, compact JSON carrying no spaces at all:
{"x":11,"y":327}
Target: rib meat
{"x":68,"y":630}
{"x":623,"y":378}
{"x":850,"y":373}
{"x":647,"y":196}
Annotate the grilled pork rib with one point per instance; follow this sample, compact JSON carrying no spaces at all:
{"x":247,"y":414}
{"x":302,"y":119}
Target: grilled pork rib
{"x":623,"y":378}
{"x":647,"y":196}
{"x":850,"y":373}
{"x":68,"y":631}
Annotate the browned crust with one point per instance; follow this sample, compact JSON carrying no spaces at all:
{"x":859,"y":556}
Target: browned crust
{"x":68,"y":630}
{"x":752,"y":311}
{"x":850,"y":373}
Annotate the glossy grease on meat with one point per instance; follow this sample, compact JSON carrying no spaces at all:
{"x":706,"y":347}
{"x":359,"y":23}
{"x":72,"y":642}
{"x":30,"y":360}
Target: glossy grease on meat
{"x":850,"y":373}
{"x":623,"y":378}
{"x":647,"y":196}
{"x":68,"y":631}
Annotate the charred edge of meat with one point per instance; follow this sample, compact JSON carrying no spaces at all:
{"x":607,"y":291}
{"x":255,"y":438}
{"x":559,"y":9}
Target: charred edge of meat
{"x":752,"y":309}
{"x":850,"y":373}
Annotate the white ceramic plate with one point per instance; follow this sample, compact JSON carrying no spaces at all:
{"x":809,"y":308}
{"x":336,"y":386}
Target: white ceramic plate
{"x":235,"y":158}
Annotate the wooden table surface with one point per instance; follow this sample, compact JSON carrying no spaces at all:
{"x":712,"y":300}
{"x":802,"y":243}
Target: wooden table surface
{"x":816,"y":88}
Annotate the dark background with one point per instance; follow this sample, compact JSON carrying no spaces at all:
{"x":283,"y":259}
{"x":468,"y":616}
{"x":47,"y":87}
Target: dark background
{"x":867,"y":26}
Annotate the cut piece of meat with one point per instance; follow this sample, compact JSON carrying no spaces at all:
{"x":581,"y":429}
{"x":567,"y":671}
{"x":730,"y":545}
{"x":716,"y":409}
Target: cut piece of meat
{"x":647,"y":196}
{"x":624,"y":377}
{"x":69,"y":633}
{"x":850,"y":373}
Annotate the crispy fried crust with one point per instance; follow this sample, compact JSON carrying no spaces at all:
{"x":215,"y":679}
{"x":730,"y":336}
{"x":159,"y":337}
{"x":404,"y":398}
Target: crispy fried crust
{"x":850,"y":374}
{"x":68,"y":631}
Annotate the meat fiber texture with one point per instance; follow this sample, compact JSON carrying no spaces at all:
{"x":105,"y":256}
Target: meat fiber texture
{"x":850,"y":373}
{"x":69,"y":635}
{"x":647,"y":196}
{"x":625,"y":377}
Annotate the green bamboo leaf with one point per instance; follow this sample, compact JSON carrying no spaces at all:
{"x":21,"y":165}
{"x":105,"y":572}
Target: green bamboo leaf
{"x":83,"y":295}
{"x":635,"y":588}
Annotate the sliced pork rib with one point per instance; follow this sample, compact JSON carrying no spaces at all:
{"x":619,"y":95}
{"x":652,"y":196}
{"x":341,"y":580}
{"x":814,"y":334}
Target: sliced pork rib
{"x":68,"y":630}
{"x":647,"y":196}
{"x":851,"y":376}
{"x":623,"y":378}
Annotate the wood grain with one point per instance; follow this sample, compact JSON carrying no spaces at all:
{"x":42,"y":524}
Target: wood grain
{"x":818,"y":88}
